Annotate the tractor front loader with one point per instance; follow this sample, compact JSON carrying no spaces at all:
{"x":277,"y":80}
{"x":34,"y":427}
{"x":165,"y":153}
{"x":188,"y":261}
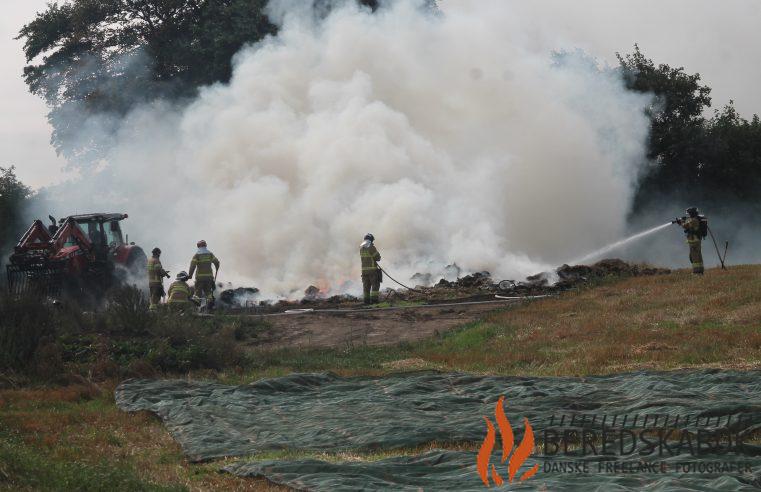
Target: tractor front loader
{"x":83,"y":254}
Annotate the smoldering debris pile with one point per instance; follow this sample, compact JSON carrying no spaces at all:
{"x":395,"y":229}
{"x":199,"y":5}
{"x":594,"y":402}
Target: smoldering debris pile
{"x":240,"y":297}
{"x":475,"y":286}
{"x":564,"y":278}
{"x":572,"y":275}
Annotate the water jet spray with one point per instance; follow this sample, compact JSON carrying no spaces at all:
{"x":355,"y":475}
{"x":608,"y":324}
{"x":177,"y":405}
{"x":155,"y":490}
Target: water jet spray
{"x":618,"y":244}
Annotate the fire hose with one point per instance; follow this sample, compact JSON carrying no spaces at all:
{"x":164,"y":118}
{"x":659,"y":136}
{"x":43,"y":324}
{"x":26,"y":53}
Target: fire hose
{"x":503,"y":285}
{"x":398,"y":282}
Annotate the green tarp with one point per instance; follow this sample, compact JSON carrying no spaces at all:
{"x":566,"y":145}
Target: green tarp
{"x":325,"y":412}
{"x":328,"y":413}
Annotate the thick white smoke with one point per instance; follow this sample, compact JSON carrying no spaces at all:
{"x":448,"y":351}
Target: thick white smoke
{"x":452,"y":138}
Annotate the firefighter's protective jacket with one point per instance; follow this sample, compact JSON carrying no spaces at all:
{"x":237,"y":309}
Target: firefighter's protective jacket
{"x":156,"y":272}
{"x":692,"y":228}
{"x":370,"y":258}
{"x":201,"y":264}
{"x":179,"y":292}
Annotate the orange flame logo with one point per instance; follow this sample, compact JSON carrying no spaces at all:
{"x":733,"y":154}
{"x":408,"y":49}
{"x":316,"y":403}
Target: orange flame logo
{"x":521,"y":454}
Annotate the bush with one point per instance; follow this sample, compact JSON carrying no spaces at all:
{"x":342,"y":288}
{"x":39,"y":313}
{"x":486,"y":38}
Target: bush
{"x":127,"y":311}
{"x":49,"y":342}
{"x":185,"y":343}
{"x":47,"y":362}
{"x":24,"y":324}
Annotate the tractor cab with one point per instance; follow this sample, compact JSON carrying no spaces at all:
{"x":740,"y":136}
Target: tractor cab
{"x":102,"y":230}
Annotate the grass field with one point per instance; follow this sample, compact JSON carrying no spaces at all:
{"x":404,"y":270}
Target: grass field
{"x":74,"y":437}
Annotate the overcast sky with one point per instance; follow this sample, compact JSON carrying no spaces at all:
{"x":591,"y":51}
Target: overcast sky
{"x":24,"y":130}
{"x":719,"y":39}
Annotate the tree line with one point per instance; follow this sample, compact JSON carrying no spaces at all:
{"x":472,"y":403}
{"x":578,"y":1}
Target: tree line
{"x":712,"y":161}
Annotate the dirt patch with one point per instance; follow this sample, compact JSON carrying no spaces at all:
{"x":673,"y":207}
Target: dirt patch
{"x":372,"y":327}
{"x":339,"y":321}
{"x":412,"y":364}
{"x":652,"y":347}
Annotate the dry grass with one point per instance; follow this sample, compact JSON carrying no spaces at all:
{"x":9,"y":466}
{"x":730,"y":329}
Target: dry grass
{"x":660,"y":322}
{"x":80,"y":425}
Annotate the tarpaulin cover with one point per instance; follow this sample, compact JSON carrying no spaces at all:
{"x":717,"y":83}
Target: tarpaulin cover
{"x":325,"y":412}
{"x":451,"y":470}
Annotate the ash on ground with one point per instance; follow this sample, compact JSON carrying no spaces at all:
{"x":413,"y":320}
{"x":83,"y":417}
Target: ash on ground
{"x":474,"y":287}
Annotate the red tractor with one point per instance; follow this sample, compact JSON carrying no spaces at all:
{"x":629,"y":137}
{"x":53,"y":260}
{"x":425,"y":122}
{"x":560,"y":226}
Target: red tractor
{"x":80,"y":254}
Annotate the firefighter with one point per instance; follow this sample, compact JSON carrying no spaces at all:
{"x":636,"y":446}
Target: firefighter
{"x":156,"y":274}
{"x":693,"y":230}
{"x":371,"y":273}
{"x":179,"y":293}
{"x":201,"y":265}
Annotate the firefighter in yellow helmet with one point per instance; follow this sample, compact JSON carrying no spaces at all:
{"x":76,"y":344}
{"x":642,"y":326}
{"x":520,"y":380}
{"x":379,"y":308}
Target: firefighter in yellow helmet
{"x":156,"y":274}
{"x":694,"y":225}
{"x":201,"y":265}
{"x":371,"y":273}
{"x":180,"y":293}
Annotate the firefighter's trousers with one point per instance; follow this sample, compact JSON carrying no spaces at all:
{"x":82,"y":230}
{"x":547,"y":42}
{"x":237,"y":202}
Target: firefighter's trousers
{"x":157,"y":292}
{"x":696,"y":256}
{"x":371,"y":285}
{"x":205,"y":288}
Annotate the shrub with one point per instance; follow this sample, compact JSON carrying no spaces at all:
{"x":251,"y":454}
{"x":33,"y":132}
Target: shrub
{"x":48,"y":361}
{"x":184,"y":343}
{"x":127,"y":311}
{"x":25,"y":322}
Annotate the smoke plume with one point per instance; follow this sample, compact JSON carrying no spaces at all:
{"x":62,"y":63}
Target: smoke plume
{"x":452,"y":138}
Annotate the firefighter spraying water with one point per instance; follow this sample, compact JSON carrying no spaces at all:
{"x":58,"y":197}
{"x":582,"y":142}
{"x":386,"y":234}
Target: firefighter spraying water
{"x":696,"y":229}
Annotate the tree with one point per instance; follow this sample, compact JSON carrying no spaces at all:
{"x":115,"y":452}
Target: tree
{"x":676,"y":121}
{"x":13,"y":199}
{"x":105,"y":56}
{"x":731,"y":167}
{"x":715,"y":162}
{"x":93,"y":57}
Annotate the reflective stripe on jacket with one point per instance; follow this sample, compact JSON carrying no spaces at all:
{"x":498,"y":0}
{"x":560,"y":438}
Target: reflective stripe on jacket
{"x":201,"y":264}
{"x":369,"y":256}
{"x":179,"y":291}
{"x":155,"y":271}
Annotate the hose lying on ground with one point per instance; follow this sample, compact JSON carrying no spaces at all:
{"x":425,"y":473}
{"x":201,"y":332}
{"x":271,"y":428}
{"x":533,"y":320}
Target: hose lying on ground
{"x":398,"y":282}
